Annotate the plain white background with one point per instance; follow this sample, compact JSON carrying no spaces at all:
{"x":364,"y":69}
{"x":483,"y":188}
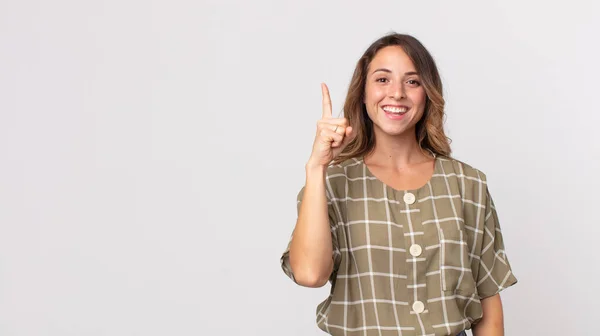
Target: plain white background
{"x":151,"y":153}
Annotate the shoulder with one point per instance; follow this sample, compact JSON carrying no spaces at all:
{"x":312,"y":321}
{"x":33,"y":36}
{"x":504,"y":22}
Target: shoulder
{"x":469,"y":181}
{"x":338,"y":176}
{"x":462,"y":169}
{"x":347,"y":169}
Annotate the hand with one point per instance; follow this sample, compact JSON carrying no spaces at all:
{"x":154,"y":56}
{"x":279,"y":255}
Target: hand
{"x":333,"y":134}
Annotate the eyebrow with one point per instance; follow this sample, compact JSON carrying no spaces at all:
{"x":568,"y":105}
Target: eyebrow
{"x":389,"y":71}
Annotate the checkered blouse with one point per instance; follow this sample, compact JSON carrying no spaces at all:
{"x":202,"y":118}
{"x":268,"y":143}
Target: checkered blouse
{"x":410,"y":262}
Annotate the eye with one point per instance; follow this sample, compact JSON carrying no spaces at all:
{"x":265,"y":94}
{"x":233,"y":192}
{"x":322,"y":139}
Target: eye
{"x":414,"y":82}
{"x":381,"y":80}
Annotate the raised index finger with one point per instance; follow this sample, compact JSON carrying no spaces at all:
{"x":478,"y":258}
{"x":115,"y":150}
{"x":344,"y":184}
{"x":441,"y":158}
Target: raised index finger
{"x":326,"y":101}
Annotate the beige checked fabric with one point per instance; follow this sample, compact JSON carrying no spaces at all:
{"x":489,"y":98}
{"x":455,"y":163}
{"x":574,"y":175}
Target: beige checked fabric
{"x":410,"y":262}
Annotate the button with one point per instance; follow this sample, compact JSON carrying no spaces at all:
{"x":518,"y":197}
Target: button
{"x":409,"y":198}
{"x":418,"y":307}
{"x":416,"y":250}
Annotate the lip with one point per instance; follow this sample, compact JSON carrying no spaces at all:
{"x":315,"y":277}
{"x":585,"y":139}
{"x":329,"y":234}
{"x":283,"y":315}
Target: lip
{"x":394,"y":116}
{"x":393,"y":105}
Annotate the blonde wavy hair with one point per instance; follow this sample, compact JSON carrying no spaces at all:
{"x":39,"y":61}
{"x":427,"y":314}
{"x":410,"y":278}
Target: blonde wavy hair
{"x":429,"y":129}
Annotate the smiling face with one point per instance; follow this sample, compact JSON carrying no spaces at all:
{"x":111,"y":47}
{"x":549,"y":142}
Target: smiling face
{"x":394,"y":97}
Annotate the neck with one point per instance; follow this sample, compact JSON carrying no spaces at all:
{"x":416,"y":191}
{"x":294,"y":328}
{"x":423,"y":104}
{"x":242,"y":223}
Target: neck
{"x":397,"y":151}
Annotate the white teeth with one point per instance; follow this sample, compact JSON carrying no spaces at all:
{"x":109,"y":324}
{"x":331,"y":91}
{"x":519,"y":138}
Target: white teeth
{"x":392,"y":109}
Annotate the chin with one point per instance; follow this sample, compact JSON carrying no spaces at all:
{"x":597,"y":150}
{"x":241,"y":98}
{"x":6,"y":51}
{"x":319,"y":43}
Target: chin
{"x":394,"y":131}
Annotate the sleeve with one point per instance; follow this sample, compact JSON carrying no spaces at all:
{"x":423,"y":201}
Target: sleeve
{"x":495,"y":272}
{"x":333,"y":220}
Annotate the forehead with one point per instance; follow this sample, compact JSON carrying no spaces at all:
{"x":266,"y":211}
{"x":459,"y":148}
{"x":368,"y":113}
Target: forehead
{"x":393,"y":58}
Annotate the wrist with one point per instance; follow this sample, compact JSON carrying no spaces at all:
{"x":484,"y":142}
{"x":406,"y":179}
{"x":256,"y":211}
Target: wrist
{"x":315,"y":172}
{"x":315,"y":167}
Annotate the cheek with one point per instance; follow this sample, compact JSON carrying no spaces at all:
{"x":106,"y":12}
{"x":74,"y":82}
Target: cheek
{"x":418,"y":97}
{"x":373,"y":95}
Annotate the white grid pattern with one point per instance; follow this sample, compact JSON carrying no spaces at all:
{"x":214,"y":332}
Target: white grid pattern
{"x":376,"y":280}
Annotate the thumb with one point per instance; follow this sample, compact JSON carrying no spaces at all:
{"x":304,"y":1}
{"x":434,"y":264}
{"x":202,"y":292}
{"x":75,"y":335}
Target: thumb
{"x":350,"y":135}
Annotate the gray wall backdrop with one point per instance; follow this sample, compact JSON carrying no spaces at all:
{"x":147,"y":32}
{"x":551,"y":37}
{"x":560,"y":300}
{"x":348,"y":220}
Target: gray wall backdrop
{"x":151,"y":152}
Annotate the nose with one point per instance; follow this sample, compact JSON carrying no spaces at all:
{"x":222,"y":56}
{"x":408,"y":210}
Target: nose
{"x":396,"y":91}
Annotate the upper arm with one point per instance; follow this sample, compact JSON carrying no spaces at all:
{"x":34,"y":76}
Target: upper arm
{"x":494,"y":271}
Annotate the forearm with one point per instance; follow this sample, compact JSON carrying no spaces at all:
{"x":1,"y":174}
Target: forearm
{"x":492,"y":323}
{"x":311,"y":247}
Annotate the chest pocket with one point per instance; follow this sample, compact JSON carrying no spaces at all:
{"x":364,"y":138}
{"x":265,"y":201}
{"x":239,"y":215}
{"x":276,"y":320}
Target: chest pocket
{"x":455,"y":268}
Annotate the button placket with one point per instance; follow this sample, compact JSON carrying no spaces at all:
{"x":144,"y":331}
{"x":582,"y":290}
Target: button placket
{"x":415,"y":251}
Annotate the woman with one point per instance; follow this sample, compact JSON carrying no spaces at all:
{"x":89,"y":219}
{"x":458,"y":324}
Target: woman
{"x":407,"y":236}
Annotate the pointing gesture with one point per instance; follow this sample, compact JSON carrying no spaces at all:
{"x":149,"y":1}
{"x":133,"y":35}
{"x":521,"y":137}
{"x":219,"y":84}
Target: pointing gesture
{"x":333,"y":134}
{"x":326,"y":102}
